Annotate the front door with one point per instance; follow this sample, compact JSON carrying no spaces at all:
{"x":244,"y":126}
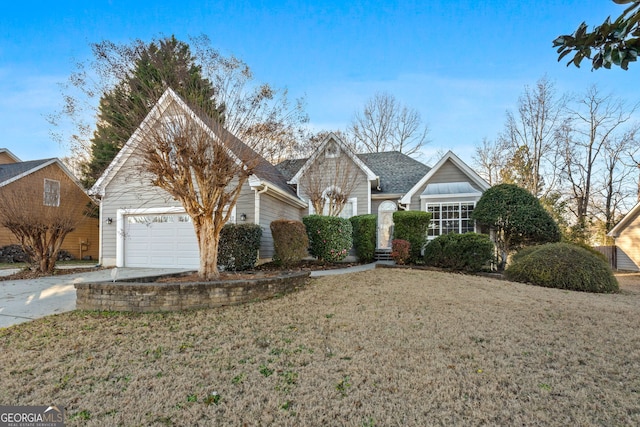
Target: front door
{"x":385,"y":224}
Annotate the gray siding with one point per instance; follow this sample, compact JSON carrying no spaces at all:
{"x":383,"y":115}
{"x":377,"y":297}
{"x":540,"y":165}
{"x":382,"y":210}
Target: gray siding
{"x":360,"y":191}
{"x":448,"y":172}
{"x":272,"y":209}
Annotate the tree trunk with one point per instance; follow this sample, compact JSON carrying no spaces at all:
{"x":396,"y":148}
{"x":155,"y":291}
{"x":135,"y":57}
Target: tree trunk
{"x":208,"y":239}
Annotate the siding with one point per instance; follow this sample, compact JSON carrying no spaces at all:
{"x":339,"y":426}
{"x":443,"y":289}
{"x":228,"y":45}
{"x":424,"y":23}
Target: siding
{"x":628,"y":246}
{"x":87,"y":230}
{"x":361,"y":190}
{"x":5,"y":159}
{"x":272,"y":209}
{"x":448,"y":172}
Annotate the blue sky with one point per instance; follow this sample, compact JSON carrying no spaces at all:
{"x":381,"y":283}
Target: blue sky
{"x":461,"y":64}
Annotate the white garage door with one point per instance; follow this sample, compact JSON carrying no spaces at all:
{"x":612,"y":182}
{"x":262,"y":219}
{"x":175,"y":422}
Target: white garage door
{"x":161,"y":240}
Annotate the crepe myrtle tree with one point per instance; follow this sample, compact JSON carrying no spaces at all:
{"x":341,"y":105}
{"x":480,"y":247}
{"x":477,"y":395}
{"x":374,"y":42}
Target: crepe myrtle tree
{"x":329,"y":182}
{"x":516,"y":217}
{"x":40,"y":218}
{"x":611,"y":43}
{"x":200,"y":164}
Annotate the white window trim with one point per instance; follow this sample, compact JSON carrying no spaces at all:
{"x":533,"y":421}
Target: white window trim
{"x":426,"y":207}
{"x":44,"y":196}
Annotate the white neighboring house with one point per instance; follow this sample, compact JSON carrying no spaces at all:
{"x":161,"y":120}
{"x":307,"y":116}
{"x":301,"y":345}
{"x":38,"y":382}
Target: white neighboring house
{"x":626,"y":235}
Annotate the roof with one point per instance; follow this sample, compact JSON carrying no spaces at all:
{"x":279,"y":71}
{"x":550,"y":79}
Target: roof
{"x":449,"y":188}
{"x":262,"y":169}
{"x":398,"y":172}
{"x":12,"y":171}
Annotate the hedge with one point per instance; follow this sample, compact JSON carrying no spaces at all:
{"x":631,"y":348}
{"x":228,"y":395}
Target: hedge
{"x":329,"y":237}
{"x":238,"y":246}
{"x":290,"y":241}
{"x":459,"y":252}
{"x":365,"y":228}
{"x":412,"y":226}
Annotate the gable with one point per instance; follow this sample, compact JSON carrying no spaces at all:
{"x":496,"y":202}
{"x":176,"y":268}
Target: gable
{"x":449,"y":170}
{"x":331,"y":148}
{"x":7,"y":157}
{"x":170,"y":102}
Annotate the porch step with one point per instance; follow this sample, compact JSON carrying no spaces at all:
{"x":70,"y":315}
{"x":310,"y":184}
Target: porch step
{"x":383,"y":255}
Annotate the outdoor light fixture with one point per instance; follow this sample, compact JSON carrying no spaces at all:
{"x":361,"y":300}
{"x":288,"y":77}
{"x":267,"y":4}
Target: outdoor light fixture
{"x":243,"y":217}
{"x":109,"y":221}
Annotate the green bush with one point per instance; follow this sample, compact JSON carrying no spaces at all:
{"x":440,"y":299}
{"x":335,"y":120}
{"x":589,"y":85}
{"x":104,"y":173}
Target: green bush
{"x":562,"y":266}
{"x":329,"y":237}
{"x":459,"y":252}
{"x":365,"y":228}
{"x":290,"y":241}
{"x":400,"y":251}
{"x":238,"y":246}
{"x":412,"y":226}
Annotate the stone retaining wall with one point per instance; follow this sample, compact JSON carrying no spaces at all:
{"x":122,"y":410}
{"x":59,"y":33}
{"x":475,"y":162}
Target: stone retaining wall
{"x":145,"y":297}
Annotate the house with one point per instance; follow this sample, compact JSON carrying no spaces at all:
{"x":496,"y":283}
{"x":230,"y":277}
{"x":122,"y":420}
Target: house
{"x":388,"y":181}
{"x":626,"y":235}
{"x":52,"y":177}
{"x":143,"y":226}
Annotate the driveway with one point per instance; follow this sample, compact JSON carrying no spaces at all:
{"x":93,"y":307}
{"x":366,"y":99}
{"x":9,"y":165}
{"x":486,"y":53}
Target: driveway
{"x":24,"y":300}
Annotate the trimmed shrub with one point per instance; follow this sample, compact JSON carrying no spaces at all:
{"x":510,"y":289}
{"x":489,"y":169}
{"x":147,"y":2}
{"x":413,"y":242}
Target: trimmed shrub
{"x":238,"y":246}
{"x":400,"y":251}
{"x":412,"y":226}
{"x":459,"y":252}
{"x":329,"y":237}
{"x":290,"y":241}
{"x":563,"y":266}
{"x":365,"y":229}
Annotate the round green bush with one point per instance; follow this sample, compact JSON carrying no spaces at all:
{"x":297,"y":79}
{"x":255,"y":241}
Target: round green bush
{"x":459,"y":252}
{"x":563,"y":266}
{"x":290,"y":241}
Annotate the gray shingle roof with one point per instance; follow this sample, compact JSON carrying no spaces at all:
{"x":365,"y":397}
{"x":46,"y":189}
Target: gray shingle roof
{"x":12,"y":170}
{"x":398,"y":172}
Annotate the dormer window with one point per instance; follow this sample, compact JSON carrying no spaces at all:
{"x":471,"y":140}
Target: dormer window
{"x":331,"y":150}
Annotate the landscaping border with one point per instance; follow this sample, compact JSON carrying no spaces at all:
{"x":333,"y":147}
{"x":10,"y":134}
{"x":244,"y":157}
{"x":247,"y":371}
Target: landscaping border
{"x":149,"y":296}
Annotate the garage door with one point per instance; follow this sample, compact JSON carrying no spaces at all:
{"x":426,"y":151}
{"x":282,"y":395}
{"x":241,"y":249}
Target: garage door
{"x":162,"y":240}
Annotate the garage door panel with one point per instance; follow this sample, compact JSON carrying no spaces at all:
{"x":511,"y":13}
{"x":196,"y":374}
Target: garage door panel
{"x":163,"y":240}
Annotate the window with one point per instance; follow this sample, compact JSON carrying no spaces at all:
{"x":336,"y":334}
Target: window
{"x":51,"y":192}
{"x":450,"y":218}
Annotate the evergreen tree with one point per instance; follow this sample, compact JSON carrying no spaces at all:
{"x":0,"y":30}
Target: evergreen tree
{"x":160,"y":64}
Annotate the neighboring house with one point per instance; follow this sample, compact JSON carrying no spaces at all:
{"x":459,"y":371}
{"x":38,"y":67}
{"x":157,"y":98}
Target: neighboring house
{"x":50,"y":175}
{"x":626,"y":235}
{"x":143,"y":226}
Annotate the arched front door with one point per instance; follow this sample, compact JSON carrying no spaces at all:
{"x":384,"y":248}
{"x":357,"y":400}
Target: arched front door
{"x":385,"y":224}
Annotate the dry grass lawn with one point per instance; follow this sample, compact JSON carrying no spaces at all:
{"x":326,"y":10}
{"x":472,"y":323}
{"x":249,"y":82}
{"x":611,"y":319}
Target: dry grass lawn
{"x":386,"y":347}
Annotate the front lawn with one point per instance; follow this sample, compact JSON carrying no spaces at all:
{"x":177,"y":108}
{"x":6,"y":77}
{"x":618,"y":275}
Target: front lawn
{"x":382,"y":347}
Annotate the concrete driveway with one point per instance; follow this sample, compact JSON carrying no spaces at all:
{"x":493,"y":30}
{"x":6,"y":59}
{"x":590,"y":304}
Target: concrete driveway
{"x":24,"y":300}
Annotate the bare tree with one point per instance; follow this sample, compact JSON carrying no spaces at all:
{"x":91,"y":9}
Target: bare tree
{"x":202,"y":165}
{"x":530,"y":138}
{"x":386,"y":125}
{"x":490,"y":159}
{"x":329,"y":181}
{"x":592,"y":127}
{"x":41,"y":218}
